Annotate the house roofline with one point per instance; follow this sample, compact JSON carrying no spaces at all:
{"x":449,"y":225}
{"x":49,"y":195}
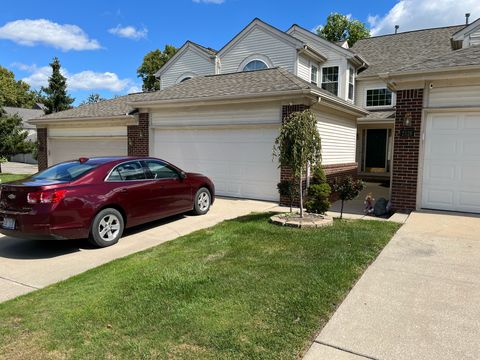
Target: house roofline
{"x":39,"y":121}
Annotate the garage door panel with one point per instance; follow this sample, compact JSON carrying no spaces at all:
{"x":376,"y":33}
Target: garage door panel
{"x":239,"y":161}
{"x":69,"y":149}
{"x":451,"y":168}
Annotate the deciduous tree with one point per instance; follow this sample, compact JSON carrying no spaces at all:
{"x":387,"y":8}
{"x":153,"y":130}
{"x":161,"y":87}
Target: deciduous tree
{"x":14,"y":93}
{"x":341,"y":27}
{"x":152,"y":62}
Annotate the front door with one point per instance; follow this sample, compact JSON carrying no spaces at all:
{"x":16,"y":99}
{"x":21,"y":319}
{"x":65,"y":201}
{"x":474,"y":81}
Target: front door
{"x":376,"y":150}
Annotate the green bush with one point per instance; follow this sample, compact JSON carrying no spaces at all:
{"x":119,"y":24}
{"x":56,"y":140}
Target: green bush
{"x":317,"y":201}
{"x":289,"y":189}
{"x":347,"y":189}
{"x":318,"y":175}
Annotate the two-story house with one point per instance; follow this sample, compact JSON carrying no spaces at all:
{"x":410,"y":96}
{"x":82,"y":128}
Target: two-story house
{"x":379,"y":111}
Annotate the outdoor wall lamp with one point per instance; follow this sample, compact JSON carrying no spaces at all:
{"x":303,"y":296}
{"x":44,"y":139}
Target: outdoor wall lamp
{"x":407,"y":120}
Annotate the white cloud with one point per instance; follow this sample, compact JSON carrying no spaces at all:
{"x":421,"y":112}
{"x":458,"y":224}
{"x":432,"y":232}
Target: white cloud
{"x":41,"y":31}
{"x":134,"y":89}
{"x":84,"y":80}
{"x":419,"y":14}
{"x":129,"y":32}
{"x":209,"y":1}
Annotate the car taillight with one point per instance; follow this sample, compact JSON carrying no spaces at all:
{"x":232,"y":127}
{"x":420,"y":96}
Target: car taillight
{"x":46,"y":197}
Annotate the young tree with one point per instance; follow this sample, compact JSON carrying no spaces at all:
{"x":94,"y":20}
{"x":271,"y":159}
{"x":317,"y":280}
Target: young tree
{"x":298,"y":145}
{"x":341,"y":27}
{"x":92,"y":99}
{"x":14,"y":93}
{"x":152,"y":62}
{"x":56,"y":97}
{"x":347,"y":189}
{"x":13,"y":139}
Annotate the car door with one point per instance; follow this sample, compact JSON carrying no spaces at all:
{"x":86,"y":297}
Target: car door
{"x":170,"y":193}
{"x":132,"y":189}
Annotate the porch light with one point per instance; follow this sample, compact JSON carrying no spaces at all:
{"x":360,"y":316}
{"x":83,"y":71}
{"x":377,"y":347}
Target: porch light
{"x":407,"y":120}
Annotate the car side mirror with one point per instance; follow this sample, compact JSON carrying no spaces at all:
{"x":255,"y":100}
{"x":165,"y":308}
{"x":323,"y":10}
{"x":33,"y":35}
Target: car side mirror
{"x":183,"y":175}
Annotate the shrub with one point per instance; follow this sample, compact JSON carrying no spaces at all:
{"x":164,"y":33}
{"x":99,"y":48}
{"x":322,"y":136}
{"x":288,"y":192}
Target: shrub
{"x":318,"y":175}
{"x":289,"y":189}
{"x":347,"y":189}
{"x":317,"y":201}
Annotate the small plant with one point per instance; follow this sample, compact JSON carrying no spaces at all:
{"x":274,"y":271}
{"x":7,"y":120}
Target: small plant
{"x":347,"y":189}
{"x":318,"y":192}
{"x":289,"y":189}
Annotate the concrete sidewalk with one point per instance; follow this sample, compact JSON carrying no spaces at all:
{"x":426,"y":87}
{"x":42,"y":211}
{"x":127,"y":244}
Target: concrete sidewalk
{"x":19,"y":168}
{"x":418,"y":300}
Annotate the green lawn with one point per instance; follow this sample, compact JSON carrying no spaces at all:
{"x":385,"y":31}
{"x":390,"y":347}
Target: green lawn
{"x":242,"y":289}
{"x":11,"y":177}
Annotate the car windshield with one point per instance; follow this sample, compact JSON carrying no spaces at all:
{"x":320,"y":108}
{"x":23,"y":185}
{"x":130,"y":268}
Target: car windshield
{"x":66,"y":171}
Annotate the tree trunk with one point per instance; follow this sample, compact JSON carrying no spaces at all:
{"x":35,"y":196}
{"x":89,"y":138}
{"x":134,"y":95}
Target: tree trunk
{"x":341,"y":209}
{"x":0,"y":167}
{"x":301,"y":195}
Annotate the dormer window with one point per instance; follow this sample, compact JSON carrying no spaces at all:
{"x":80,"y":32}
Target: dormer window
{"x":314,"y":75}
{"x":255,"y":65}
{"x":330,"y":79}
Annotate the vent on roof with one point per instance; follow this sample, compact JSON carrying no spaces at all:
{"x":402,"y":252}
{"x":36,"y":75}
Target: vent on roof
{"x":467,"y":15}
{"x":396,"y":28}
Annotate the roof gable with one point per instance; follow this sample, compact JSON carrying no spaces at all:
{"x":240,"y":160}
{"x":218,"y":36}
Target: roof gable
{"x":263,"y":26}
{"x":467,"y":30}
{"x":207,"y":53}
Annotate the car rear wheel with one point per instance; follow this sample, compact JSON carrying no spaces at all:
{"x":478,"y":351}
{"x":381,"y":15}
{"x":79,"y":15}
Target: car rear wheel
{"x":203,"y":199}
{"x":107,"y":228}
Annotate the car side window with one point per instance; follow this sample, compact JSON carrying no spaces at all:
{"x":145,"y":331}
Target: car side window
{"x":160,"y":170}
{"x":128,"y":171}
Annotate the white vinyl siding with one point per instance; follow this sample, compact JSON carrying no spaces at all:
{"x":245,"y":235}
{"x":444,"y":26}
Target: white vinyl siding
{"x":303,"y":69}
{"x":473,"y":38}
{"x":219,"y":116}
{"x":454,"y":96}
{"x":339,"y":136}
{"x":259,"y":41}
{"x":190,"y":62}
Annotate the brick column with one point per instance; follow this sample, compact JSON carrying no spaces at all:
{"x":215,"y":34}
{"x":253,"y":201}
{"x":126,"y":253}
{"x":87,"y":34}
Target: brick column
{"x":42,"y":151}
{"x":138,"y":136}
{"x":285,"y":172}
{"x":406,"y":150}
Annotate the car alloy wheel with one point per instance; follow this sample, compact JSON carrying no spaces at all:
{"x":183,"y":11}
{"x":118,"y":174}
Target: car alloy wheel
{"x":109,"y":227}
{"x":204,"y":201}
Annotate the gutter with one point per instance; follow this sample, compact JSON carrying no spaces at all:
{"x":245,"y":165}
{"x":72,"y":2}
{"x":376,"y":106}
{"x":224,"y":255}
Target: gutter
{"x":312,"y":53}
{"x":96,"y":118}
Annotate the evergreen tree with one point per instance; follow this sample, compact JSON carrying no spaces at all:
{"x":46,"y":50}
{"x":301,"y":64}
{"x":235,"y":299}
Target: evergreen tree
{"x":56,"y":96}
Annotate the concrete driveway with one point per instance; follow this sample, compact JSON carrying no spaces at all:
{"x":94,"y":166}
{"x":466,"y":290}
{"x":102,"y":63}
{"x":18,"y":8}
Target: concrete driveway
{"x":419,"y":300}
{"x":29,"y":265}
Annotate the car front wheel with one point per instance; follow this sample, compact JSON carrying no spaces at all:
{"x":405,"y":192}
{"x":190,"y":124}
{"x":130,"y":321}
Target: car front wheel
{"x":107,"y":228}
{"x":203,"y":199}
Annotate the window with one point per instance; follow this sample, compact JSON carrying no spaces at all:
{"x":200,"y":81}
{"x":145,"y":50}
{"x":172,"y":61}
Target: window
{"x":379,"y":97}
{"x":351,"y":79}
{"x":128,"y":171}
{"x":255,"y":65}
{"x":330,"y":79}
{"x":185,"y":79}
{"x":66,"y":171}
{"x":314,"y":74}
{"x":160,"y":170}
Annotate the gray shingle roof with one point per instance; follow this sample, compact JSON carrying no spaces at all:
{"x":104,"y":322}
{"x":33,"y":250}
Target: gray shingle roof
{"x":380,"y":115}
{"x":107,"y":108}
{"x":25,"y":114}
{"x":240,"y":84}
{"x":390,"y":52}
{"x":464,"y":57}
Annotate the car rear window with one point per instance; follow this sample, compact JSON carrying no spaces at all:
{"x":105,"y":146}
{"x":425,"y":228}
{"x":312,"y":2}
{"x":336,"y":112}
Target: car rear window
{"x":66,"y":171}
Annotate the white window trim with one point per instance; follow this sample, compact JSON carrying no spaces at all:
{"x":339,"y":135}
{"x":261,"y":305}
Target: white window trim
{"x":350,"y":70}
{"x":188,"y":74}
{"x":312,"y":64}
{"x":338,"y":78}
{"x":394,"y":99}
{"x":254,"y":57}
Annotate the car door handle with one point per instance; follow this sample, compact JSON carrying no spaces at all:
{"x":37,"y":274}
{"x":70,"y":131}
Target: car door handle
{"x":124,"y":190}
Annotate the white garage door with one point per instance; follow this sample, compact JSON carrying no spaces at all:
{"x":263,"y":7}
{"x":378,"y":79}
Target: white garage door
{"x":238,"y":161}
{"x":451,"y":171}
{"x":68,"y":149}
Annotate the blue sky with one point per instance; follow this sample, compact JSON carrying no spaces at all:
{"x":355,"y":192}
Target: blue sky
{"x":101,"y":43}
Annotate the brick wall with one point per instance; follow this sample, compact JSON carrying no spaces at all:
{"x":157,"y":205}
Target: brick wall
{"x":42,"y":157}
{"x":138,"y":136}
{"x":406,"y":150}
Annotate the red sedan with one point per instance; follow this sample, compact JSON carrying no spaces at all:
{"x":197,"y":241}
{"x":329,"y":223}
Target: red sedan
{"x":98,"y":198}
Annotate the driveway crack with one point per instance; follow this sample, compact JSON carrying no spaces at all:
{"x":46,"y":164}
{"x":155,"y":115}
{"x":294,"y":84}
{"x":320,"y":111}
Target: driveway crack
{"x":19,"y":283}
